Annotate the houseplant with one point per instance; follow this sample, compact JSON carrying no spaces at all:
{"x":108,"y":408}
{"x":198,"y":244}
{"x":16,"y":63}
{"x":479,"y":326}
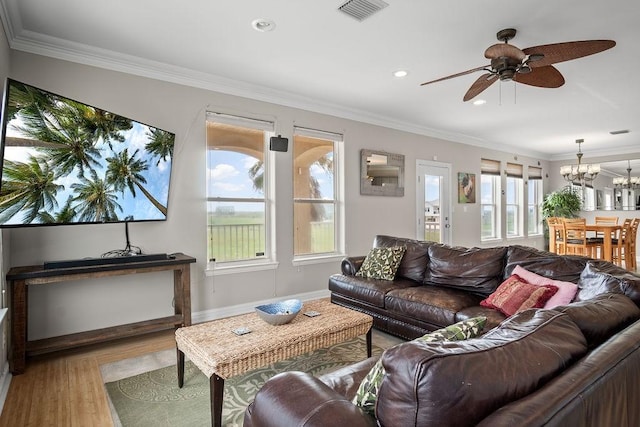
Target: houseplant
{"x":565,"y":203}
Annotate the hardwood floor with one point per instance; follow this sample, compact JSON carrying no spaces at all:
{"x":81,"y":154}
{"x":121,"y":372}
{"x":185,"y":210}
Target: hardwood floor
{"x":66,"y":388}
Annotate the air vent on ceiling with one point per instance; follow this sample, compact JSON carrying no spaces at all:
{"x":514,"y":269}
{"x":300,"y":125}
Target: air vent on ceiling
{"x":362,"y":9}
{"x":619,"y":132}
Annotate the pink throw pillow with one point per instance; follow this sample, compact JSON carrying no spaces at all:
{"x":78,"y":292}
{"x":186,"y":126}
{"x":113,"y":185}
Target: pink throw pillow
{"x":515,"y":294}
{"x":566,"y":290}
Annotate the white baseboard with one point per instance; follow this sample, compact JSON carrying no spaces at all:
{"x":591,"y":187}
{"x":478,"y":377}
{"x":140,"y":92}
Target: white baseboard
{"x":219,"y":313}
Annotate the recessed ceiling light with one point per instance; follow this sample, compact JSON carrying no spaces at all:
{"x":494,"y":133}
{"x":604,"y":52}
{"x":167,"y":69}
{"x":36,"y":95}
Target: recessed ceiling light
{"x":400,"y":73}
{"x":479,"y":102}
{"x":263,"y":25}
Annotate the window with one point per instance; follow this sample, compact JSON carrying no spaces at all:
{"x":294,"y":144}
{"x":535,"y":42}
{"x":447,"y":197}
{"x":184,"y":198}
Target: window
{"x":238,"y":178}
{"x":490,"y":199}
{"x":515,"y":200}
{"x":316,"y":193}
{"x":534,"y":200}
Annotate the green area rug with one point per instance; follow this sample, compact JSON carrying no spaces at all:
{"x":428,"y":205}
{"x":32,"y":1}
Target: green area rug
{"x":154,"y":399}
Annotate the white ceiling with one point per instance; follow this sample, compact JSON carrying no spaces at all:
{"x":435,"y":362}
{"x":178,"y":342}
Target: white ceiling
{"x":322,"y":60}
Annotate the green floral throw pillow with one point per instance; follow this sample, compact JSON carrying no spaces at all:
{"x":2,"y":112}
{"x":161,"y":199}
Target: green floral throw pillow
{"x":368,"y":390}
{"x":381,"y":263}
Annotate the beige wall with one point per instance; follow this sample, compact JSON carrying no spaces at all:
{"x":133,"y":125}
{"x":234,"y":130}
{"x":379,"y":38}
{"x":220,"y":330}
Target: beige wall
{"x":75,"y":306}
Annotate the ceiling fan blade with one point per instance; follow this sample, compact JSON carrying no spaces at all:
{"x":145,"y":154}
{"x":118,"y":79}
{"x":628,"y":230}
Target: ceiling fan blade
{"x":559,"y":52}
{"x":473,"y":70}
{"x":547,"y":76}
{"x":483,"y":82}
{"x":499,"y":50}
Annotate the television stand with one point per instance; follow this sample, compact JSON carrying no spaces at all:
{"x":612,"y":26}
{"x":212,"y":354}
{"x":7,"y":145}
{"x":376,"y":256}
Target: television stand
{"x":19,"y":279}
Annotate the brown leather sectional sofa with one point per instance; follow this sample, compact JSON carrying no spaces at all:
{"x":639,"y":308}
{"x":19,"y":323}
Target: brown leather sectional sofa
{"x":437,"y":285}
{"x":574,"y":365}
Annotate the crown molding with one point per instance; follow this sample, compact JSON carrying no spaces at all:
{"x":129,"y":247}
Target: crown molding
{"x":39,"y":44}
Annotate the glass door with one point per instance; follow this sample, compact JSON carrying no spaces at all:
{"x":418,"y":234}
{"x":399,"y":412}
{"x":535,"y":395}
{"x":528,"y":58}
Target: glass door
{"x":433,"y":201}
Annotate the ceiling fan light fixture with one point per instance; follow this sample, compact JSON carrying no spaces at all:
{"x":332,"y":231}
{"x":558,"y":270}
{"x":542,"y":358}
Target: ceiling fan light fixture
{"x":524,"y":69}
{"x":535,"y":57}
{"x":535,"y":63}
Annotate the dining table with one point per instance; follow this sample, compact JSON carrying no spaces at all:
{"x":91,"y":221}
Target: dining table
{"x":608,"y":231}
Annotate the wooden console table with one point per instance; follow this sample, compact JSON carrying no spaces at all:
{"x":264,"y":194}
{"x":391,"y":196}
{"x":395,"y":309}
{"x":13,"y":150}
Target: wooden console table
{"x":19,"y":278}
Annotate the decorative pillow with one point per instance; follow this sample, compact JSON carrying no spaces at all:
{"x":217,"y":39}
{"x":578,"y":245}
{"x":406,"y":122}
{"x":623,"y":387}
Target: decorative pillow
{"x":515,"y":294}
{"x":381,"y":263}
{"x":566,"y":290}
{"x":368,"y":390}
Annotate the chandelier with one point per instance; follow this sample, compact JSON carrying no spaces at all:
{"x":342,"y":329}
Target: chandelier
{"x":582,"y":173}
{"x":629,"y":182}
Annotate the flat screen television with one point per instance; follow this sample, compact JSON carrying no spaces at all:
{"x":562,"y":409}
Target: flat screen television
{"x":66,"y":162}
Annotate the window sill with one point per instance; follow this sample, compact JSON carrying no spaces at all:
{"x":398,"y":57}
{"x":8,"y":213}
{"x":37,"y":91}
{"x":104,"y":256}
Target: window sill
{"x":492,"y":240}
{"x":221,"y":270}
{"x":322,"y":259}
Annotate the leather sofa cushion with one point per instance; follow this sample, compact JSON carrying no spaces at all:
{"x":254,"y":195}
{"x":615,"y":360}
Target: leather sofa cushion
{"x":566,"y":268}
{"x":346,"y":380}
{"x":476,"y":270}
{"x":369,"y":291}
{"x":299,"y":399}
{"x":602,"y":316}
{"x":597,"y":278}
{"x":414,"y":261}
{"x":494,"y":317}
{"x":460,"y":383}
{"x":432,"y":304}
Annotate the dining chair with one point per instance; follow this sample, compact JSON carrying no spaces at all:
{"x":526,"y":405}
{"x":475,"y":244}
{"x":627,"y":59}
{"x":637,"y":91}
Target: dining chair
{"x":605,"y":220}
{"x":599,"y":236}
{"x":556,"y":227}
{"x":576,"y":241}
{"x":631,"y":243}
{"x":620,"y":245}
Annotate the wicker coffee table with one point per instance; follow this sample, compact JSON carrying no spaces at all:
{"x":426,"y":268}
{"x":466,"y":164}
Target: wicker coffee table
{"x":219,"y":353}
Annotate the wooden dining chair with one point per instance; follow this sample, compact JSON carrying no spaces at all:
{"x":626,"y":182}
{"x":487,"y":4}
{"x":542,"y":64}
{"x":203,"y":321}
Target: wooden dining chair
{"x":599,"y":236}
{"x":631,"y":244}
{"x":604,"y":220}
{"x":556,"y":229}
{"x":576,"y":241}
{"x":620,"y":245}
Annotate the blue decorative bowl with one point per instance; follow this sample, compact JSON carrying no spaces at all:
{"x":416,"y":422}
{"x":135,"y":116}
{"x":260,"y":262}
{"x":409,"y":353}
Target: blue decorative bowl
{"x":279,"y":313}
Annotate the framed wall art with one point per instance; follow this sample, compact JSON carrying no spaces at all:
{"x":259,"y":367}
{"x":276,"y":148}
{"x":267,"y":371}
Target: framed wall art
{"x":466,"y":187}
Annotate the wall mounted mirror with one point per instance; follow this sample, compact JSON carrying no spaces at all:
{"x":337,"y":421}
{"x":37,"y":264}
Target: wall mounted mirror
{"x":610,"y":194}
{"x":381,"y":173}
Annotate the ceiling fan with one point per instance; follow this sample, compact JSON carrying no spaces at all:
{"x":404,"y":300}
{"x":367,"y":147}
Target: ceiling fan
{"x":531,"y":66}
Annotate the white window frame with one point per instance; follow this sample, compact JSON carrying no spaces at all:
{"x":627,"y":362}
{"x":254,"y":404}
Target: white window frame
{"x":338,"y":197}
{"x":514,"y":182}
{"x":534,"y":203}
{"x":491,"y":169}
{"x":268,"y":261}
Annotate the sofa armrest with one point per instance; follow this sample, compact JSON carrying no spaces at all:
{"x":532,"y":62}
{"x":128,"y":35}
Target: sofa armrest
{"x":299,"y":399}
{"x":351,"y":264}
